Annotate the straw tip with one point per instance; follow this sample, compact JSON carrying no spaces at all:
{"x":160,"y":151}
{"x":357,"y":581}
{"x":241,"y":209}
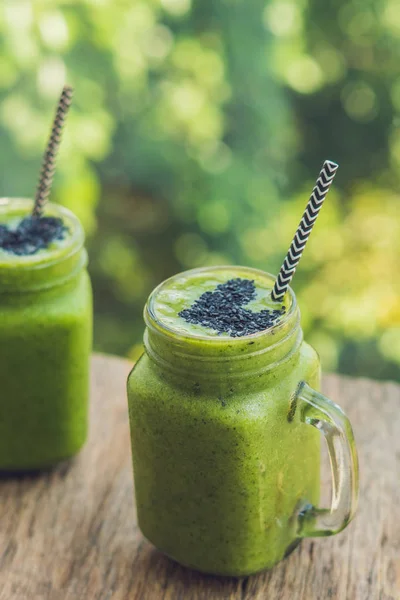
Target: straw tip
{"x":331,"y":165}
{"x":68,"y":91}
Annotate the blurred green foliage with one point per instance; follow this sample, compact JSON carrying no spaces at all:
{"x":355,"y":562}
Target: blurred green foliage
{"x":197,"y":131}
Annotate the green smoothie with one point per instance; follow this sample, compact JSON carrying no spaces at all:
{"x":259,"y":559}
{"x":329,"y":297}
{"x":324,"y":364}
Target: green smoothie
{"x":45,"y":342}
{"x":222,"y":468}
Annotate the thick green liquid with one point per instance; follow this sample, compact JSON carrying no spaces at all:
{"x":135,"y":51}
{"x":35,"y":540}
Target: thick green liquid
{"x":220,"y":471}
{"x":12,"y":220}
{"x":45,"y":342}
{"x":184,"y":290}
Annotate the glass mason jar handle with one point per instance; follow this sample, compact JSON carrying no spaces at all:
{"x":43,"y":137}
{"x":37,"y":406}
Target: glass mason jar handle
{"x":320,"y":412}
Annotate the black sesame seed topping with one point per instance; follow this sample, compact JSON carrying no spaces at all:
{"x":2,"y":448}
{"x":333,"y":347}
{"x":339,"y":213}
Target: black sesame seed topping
{"x":31,"y":235}
{"x":223,"y":310}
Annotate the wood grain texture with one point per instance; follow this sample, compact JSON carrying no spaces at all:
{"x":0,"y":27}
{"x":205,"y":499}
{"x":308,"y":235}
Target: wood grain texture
{"x":71,"y":534}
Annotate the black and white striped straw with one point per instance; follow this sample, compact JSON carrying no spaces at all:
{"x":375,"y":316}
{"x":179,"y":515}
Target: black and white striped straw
{"x":49,"y":158}
{"x":306,"y":224}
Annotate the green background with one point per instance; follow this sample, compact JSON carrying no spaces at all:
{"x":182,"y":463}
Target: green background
{"x":197,"y":131}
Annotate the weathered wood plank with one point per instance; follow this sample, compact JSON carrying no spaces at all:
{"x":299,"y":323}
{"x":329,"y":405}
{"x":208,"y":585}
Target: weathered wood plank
{"x":70,"y":533}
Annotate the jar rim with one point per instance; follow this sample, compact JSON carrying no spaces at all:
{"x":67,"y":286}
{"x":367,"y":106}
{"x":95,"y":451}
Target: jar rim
{"x":153,"y":321}
{"x":52,"y":256}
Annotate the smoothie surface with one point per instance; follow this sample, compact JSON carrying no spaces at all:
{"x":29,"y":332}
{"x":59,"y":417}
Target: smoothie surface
{"x":31,"y":240}
{"x":176,"y":301}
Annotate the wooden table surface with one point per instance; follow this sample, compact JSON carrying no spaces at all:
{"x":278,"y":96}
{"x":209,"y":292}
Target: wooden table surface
{"x":71,"y":534}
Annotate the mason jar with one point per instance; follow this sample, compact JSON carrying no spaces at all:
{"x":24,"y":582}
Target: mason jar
{"x":45,"y":344}
{"x":226,"y":437}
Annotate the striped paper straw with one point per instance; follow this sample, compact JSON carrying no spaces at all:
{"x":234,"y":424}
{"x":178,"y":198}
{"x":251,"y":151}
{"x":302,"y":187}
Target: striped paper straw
{"x":49,"y":158}
{"x":306,"y":224}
